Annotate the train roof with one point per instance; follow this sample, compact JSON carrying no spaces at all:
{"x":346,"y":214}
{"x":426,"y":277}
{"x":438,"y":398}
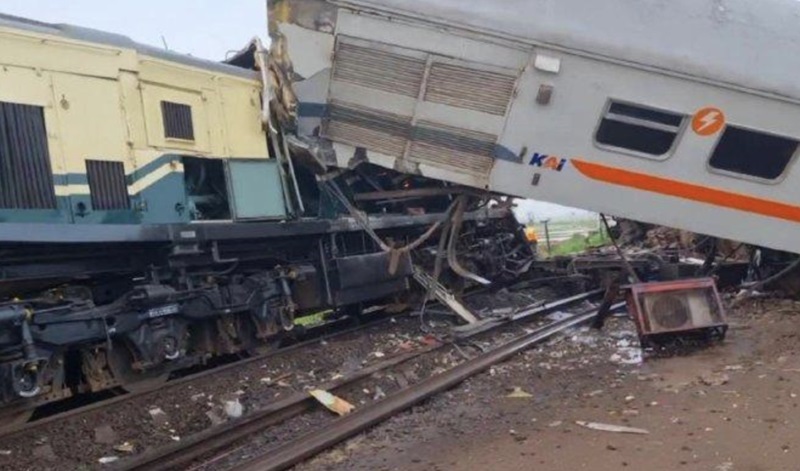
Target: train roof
{"x":744,"y":43}
{"x":90,"y":35}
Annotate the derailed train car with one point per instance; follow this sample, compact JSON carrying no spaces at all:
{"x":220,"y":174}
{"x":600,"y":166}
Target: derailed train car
{"x":148,"y":221}
{"x":681,"y":113}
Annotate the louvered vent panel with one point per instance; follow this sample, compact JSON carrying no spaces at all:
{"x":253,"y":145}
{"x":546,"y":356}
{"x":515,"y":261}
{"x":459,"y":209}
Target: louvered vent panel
{"x":442,"y":145}
{"x":473,"y":89}
{"x":107,"y":185}
{"x":26,"y":177}
{"x":363,"y":127}
{"x":373,"y":68}
{"x":177,"y":120}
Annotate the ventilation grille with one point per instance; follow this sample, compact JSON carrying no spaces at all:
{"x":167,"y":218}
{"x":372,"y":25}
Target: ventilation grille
{"x":373,"y":68}
{"x":362,"y":127}
{"x":431,"y":143}
{"x":107,"y":185}
{"x":26,"y":177}
{"x":473,"y":89}
{"x":453,"y":147}
{"x":177,"y":120}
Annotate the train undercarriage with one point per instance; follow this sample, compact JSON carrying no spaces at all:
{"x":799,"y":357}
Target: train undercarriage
{"x":101,"y":310}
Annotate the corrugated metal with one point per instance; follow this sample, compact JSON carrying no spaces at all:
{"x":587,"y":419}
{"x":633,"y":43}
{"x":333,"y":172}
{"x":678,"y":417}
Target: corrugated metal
{"x":26,"y":177}
{"x":363,"y":127}
{"x":469,"y":88}
{"x":177,"y":120}
{"x":442,"y":145}
{"x":107,"y":185}
{"x":373,"y":68}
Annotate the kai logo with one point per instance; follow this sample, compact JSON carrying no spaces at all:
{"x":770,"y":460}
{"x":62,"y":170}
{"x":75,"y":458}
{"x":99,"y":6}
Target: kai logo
{"x":548,"y":161}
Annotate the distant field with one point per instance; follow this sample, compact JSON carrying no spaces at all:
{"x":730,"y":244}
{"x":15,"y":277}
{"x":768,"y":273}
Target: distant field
{"x":571,"y":236}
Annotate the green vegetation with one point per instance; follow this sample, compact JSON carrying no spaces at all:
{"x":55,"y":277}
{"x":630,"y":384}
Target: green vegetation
{"x":311,"y":319}
{"x":578,"y":243}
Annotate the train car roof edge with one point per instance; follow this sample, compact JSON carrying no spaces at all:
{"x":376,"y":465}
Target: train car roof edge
{"x":752,"y":45}
{"x":95,"y":36}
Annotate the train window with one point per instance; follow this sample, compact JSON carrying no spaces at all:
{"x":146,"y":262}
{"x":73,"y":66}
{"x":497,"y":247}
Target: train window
{"x":177,"y":120}
{"x":26,"y":180}
{"x":637,"y":128}
{"x":753,"y":153}
{"x":108,"y":186}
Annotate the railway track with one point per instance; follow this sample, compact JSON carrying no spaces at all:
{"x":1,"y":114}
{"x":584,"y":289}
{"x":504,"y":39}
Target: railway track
{"x":212,"y":443}
{"x":316,"y":334}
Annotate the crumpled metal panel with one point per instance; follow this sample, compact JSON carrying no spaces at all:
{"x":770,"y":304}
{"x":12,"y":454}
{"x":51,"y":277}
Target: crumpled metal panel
{"x":453,"y":147}
{"x":469,"y":88}
{"x":377,"y":69}
{"x":371,"y":129}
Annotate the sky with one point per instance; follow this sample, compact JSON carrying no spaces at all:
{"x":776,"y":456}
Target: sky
{"x":202,"y":28}
{"x":209,"y":29}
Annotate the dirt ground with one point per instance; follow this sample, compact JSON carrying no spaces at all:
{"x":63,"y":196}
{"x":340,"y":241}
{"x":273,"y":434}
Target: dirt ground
{"x":733,"y":407}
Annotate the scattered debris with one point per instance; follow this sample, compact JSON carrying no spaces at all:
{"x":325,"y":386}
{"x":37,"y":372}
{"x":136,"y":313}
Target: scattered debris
{"x":105,"y":435}
{"x":519,"y":393}
{"x":159,"y":417}
{"x":555,"y":423}
{"x":45,"y":452}
{"x":5,"y":452}
{"x":107,"y":459}
{"x":215,"y":417}
{"x":332,"y":402}
{"x":627,"y":356}
{"x":233,"y":408}
{"x":124,"y":447}
{"x":714,"y":379}
{"x":611,"y":427}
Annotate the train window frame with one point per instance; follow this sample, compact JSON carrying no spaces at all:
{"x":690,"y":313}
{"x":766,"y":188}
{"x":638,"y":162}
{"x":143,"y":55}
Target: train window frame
{"x":744,"y":176}
{"x":680,"y":129}
{"x":173,"y":106}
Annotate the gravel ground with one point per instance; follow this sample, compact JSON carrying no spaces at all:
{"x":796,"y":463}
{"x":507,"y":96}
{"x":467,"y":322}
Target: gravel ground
{"x":372,"y":389}
{"x":726,"y":408}
{"x":79,"y":442}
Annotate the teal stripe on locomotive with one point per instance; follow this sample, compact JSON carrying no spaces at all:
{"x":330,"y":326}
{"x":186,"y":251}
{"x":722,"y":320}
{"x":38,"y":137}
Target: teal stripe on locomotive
{"x":162,"y":202}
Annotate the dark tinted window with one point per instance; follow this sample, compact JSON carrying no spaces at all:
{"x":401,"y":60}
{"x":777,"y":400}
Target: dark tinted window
{"x":177,"y":120}
{"x":753,"y":153}
{"x":639,"y":128}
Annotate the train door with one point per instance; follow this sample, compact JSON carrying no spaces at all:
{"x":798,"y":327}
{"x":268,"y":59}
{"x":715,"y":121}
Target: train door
{"x":31,"y":164}
{"x":93,"y":142}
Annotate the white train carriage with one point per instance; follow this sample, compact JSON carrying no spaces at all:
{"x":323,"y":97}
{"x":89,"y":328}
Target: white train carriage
{"x":682,"y":113}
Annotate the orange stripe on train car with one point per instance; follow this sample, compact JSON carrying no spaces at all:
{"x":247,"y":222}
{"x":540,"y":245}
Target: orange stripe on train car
{"x":689,"y":191}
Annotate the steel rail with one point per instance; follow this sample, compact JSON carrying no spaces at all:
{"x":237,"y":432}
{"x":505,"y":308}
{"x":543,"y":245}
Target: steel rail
{"x":174,"y":455}
{"x":306,"y":446}
{"x":102,"y":404}
{"x":204,"y":443}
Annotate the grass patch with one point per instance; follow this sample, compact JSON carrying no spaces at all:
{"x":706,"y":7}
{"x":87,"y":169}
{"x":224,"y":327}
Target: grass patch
{"x":579,"y":243}
{"x":311,"y":319}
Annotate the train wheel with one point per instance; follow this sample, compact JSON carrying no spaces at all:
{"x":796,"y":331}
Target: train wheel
{"x":120,"y":362}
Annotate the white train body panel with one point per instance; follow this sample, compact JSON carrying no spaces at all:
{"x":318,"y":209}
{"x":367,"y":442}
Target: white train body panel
{"x":681,"y":113}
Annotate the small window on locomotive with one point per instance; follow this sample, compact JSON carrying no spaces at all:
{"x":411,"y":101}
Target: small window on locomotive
{"x":177,"y":120}
{"x":753,"y":153}
{"x":639,"y":129}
